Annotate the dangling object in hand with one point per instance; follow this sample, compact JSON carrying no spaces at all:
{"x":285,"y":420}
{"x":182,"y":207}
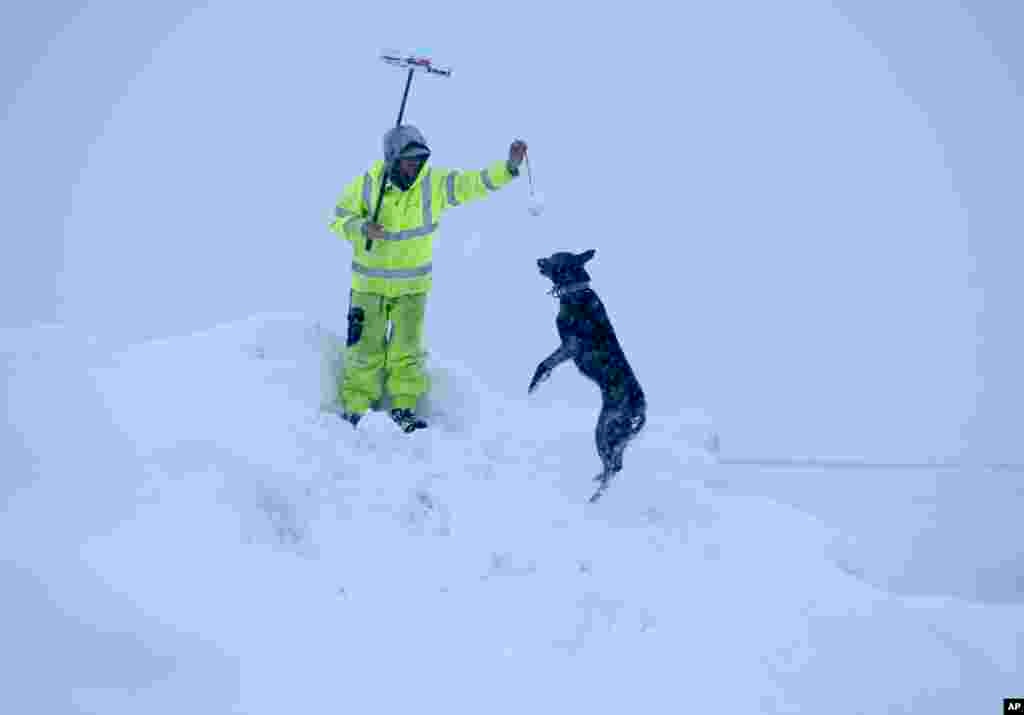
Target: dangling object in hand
{"x":536,"y":207}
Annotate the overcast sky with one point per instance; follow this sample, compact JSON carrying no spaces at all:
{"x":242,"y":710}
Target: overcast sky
{"x":806,"y":214}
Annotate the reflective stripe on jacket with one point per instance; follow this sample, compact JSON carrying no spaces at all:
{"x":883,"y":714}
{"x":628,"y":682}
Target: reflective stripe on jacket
{"x":401,"y":263}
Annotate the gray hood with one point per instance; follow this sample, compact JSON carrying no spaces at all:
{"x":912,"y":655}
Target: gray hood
{"x":399,"y":138}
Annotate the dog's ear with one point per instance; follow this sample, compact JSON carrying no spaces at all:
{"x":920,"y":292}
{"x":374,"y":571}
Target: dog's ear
{"x":585,"y":256}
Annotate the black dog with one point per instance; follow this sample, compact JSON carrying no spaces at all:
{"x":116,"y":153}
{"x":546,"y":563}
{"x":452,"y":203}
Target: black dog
{"x":588,"y":338}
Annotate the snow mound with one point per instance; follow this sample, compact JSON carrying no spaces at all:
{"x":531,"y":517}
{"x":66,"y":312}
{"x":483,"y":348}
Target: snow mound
{"x":266,"y":557}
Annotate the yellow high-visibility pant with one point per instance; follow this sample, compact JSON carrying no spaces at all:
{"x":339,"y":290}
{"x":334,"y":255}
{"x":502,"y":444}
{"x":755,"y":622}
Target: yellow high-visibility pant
{"x":374,"y":362}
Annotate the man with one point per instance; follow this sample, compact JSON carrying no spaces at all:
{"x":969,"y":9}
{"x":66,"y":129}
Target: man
{"x":391,"y":266}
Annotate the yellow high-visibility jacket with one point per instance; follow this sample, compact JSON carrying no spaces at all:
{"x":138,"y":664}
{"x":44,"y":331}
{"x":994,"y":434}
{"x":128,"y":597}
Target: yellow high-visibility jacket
{"x":401,"y":263}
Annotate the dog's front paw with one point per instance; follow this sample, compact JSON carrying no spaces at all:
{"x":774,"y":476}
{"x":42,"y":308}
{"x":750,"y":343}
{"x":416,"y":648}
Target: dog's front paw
{"x":543,"y":373}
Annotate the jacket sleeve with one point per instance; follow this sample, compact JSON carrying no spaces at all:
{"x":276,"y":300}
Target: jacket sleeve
{"x":351,"y":212}
{"x":461,"y":187}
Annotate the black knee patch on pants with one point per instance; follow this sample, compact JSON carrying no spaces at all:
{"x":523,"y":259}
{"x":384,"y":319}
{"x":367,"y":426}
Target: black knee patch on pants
{"x":356,"y":316}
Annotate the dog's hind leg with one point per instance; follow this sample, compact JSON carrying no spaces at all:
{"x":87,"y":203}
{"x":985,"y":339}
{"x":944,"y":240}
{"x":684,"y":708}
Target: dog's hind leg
{"x":631,"y":428}
{"x":615,"y":428}
{"x":608,"y":438}
{"x":602,"y":439}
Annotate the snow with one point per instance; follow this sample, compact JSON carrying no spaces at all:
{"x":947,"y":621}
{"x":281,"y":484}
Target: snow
{"x":199,"y":532}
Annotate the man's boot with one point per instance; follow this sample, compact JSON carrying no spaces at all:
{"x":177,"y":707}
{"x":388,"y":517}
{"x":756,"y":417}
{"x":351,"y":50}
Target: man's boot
{"x":406,"y":420}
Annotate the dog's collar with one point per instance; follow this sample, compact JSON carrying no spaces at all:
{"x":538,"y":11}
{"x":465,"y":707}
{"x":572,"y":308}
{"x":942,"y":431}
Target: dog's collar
{"x":559,"y":291}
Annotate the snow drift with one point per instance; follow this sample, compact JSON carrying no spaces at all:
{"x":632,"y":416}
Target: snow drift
{"x":189,"y":529}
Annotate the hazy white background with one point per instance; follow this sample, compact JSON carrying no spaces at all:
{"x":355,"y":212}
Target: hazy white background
{"x":823,"y":192}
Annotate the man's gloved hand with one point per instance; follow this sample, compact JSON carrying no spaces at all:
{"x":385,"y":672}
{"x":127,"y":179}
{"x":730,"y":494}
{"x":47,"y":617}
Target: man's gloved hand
{"x":516,"y":154}
{"x":373,"y":231}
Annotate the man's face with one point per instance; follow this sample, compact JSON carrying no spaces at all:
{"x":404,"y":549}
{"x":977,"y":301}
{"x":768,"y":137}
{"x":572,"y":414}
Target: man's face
{"x":409,"y":167}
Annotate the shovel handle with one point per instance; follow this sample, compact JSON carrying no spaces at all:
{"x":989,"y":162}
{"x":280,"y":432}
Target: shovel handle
{"x":384,"y":177}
